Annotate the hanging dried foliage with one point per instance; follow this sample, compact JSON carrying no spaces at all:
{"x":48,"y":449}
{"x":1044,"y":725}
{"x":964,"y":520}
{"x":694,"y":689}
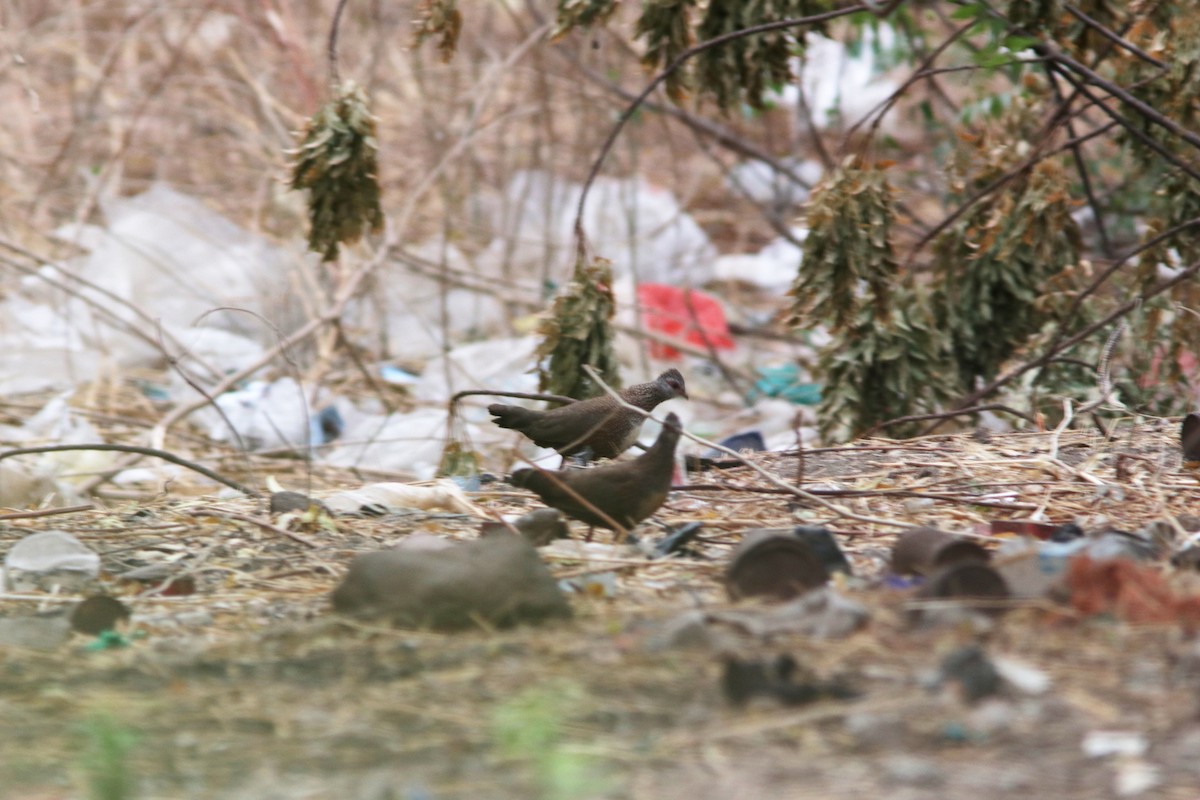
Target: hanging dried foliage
{"x":886,"y":354}
{"x":337,"y":163}
{"x":458,"y":460}
{"x":1035,"y":15}
{"x":441,"y":19}
{"x":745,"y":68}
{"x":994,"y":266}
{"x":1168,"y":334}
{"x":1171,"y":34}
{"x":849,"y":245}
{"x":582,"y":14}
{"x":876,"y":371}
{"x":665,"y":26}
{"x":578,"y":331}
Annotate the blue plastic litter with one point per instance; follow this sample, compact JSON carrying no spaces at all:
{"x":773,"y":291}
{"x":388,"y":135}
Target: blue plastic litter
{"x":784,"y":381}
{"x":395,"y":375}
{"x":326,"y":426}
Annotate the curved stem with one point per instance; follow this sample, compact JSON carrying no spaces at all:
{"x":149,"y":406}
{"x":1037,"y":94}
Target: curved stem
{"x":680,"y":60}
{"x":128,"y":448}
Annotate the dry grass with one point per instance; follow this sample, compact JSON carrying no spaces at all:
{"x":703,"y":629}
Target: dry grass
{"x":249,"y":689}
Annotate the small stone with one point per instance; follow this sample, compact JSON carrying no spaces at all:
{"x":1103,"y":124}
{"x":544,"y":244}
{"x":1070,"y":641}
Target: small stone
{"x":498,"y":580}
{"x":913,"y":771}
{"x":98,"y":614}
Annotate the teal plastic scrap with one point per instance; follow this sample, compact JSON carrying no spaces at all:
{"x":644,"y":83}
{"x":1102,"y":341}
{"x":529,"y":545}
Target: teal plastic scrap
{"x":784,"y":381}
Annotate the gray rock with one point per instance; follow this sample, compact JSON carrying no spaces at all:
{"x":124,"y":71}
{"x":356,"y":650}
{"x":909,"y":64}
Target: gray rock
{"x":498,"y":580}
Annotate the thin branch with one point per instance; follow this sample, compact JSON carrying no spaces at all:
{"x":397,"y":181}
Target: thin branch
{"x":46,"y":512}
{"x":265,"y":524}
{"x":1113,"y":37}
{"x":943,"y":415}
{"x":1084,"y":178}
{"x":549,"y":398}
{"x":1143,"y":108}
{"x":332,"y":48}
{"x":1087,"y":331}
{"x":679,"y":61}
{"x":774,"y":480}
{"x":1124,"y":122}
{"x":128,"y":448}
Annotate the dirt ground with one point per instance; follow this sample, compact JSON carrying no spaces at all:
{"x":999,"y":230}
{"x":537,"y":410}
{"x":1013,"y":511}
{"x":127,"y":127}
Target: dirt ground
{"x":251,"y":688}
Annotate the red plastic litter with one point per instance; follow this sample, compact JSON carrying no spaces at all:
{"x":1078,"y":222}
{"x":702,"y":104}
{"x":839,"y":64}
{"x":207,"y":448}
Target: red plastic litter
{"x":688,"y":314}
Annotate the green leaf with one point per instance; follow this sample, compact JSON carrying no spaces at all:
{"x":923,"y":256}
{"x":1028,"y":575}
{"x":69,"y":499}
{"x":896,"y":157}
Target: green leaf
{"x":970,"y":11}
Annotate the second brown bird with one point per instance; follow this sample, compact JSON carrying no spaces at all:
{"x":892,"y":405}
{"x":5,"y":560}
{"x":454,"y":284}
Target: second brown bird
{"x":626,"y":491}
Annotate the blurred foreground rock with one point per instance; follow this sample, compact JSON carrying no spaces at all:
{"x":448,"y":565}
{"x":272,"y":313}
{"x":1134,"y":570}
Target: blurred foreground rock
{"x":497,"y":580}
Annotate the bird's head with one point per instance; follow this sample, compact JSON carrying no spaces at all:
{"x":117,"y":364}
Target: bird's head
{"x":671,"y":382}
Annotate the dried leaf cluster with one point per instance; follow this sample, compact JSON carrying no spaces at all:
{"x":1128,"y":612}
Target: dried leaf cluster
{"x":578,"y":331}
{"x":337,"y":163}
{"x":878,"y":369}
{"x":666,"y":28}
{"x":581,"y":14}
{"x":1169,"y":321}
{"x":1172,"y":90}
{"x":745,"y":68}
{"x":848,"y":250}
{"x":440,"y":18}
{"x":885,"y":359}
{"x":993,"y":264}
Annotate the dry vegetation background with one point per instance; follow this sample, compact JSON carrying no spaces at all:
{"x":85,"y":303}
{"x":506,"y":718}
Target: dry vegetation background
{"x":248,"y":689}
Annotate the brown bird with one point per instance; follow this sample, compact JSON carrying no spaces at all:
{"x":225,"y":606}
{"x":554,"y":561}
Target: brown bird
{"x":599,"y":423}
{"x":627,"y":491}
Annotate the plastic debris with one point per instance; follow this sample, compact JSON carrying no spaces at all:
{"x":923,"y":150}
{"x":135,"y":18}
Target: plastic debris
{"x":822,"y":543}
{"x":176,"y":259}
{"x":425,"y":542}
{"x":1133,"y":592}
{"x":842,"y":85}
{"x":268,"y":416}
{"x":593,"y":584}
{"x":1102,"y":744}
{"x":23,"y":487}
{"x":767,"y":186}
{"x":408,"y":443}
{"x":501,"y":364}
{"x":779,"y":679}
{"x":687,"y":314}
{"x":923,"y":551}
{"x":970,"y":669}
{"x":50,"y":554}
{"x":773,"y":563}
{"x":821,"y":613}
{"x":498,"y":580}
{"x":395,"y":497}
{"x":1021,"y":675}
{"x":639,"y":226}
{"x":420,"y":313}
{"x":678,"y":540}
{"x":772,"y":268}
{"x":397,"y":376}
{"x":785,"y":381}
{"x":740,"y":442}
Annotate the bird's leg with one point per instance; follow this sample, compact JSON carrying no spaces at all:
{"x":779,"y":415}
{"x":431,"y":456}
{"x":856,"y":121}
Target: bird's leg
{"x":591,"y":532}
